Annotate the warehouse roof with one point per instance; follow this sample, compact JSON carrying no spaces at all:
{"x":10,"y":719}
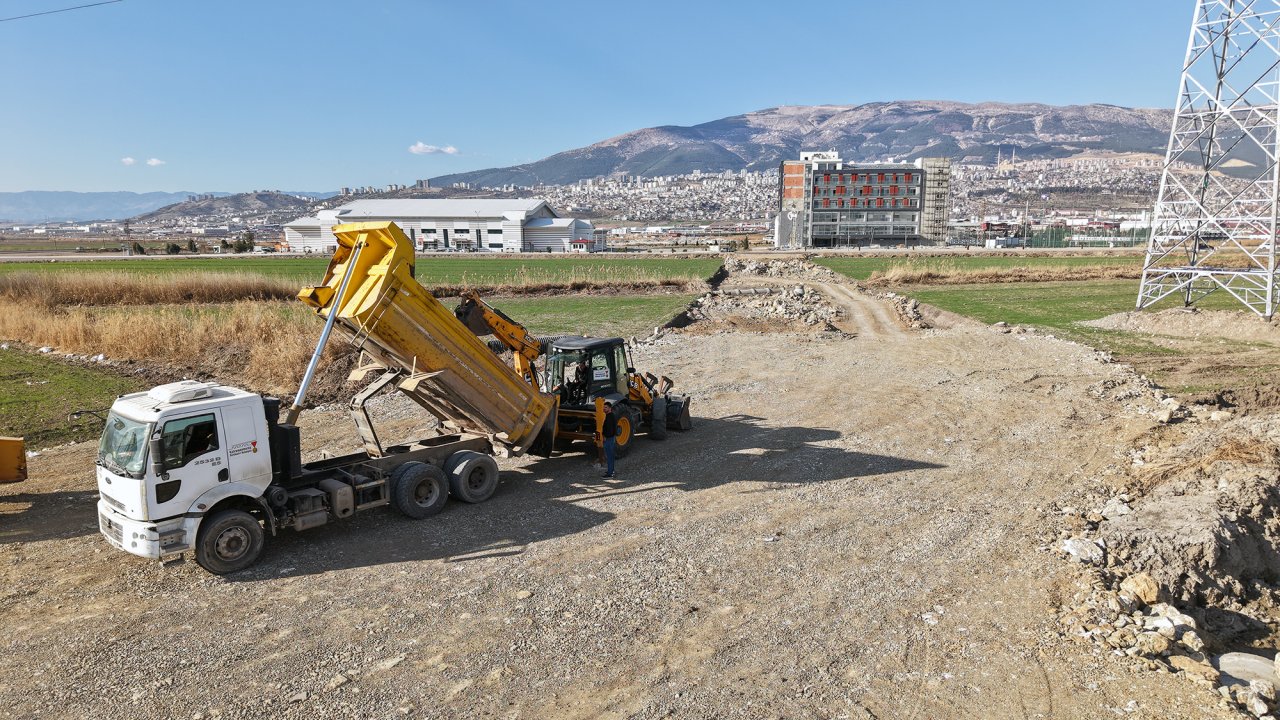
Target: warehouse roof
{"x":438,"y":208}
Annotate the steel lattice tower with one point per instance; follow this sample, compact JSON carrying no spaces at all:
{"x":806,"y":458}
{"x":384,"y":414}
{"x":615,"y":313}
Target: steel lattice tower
{"x":1216,"y":215}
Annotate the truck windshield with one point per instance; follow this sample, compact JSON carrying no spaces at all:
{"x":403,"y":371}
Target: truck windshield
{"x":123,"y":448}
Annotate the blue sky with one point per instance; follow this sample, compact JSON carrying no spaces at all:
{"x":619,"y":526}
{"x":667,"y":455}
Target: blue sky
{"x":233,"y":95}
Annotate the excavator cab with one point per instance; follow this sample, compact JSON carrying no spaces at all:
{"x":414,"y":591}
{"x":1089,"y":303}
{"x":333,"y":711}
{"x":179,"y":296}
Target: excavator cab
{"x":583,"y":369}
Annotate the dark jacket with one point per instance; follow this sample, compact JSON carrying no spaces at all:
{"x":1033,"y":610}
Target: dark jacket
{"x":611,"y":425}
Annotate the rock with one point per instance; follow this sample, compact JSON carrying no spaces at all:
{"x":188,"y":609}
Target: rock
{"x":45,"y":350}
{"x":524,"y":595}
{"x":1243,"y":668}
{"x":1221,"y":415}
{"x":1193,"y":668}
{"x":1140,"y":587}
{"x":1192,"y":641}
{"x":1122,"y":639}
{"x":298,"y":697}
{"x":1256,"y":705}
{"x":336,"y":682}
{"x":1264,"y":690}
{"x":1083,"y":550}
{"x":1153,"y":644}
{"x":1115,"y":508}
{"x":1165,"y":415}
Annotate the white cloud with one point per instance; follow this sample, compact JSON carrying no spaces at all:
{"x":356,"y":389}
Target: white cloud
{"x":153,"y":162}
{"x":421,"y":148}
{"x":127,"y":161}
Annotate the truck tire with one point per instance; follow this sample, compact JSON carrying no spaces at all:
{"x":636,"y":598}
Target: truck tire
{"x":229,"y":540}
{"x":473,"y":478}
{"x":658,"y":420}
{"x":628,"y":423}
{"x":419,"y":490}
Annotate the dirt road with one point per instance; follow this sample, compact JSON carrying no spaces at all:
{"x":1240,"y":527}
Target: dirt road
{"x":854,"y":528}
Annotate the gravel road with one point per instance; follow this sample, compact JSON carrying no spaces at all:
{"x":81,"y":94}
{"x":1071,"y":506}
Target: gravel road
{"x":854,"y":528}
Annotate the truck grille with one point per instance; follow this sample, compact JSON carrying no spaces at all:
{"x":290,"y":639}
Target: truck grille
{"x":110,"y":529}
{"x":112,"y":502}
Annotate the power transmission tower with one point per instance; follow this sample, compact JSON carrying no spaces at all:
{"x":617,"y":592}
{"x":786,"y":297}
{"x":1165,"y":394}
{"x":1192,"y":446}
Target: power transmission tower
{"x":1215,"y":220}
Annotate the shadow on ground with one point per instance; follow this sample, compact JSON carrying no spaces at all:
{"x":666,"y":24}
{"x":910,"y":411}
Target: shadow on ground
{"x":32,"y":517}
{"x":547,"y":499}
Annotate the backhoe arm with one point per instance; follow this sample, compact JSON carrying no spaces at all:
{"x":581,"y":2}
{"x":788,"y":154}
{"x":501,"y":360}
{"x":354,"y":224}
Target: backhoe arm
{"x":484,"y":319}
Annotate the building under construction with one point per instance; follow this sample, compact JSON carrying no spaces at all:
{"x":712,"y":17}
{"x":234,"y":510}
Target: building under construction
{"x":827,"y":203}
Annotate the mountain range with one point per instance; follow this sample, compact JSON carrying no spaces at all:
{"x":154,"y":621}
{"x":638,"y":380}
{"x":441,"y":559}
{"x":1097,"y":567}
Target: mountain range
{"x":34,"y":206}
{"x":903,"y":130}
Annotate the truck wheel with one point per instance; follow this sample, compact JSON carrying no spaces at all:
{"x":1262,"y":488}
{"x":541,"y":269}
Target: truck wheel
{"x":473,"y":478}
{"x":658,"y":420}
{"x":419,"y":490}
{"x":229,"y":540}
{"x":628,"y":422}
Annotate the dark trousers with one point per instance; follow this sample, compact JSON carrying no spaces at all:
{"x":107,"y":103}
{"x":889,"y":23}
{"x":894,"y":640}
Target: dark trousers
{"x":610,"y":451}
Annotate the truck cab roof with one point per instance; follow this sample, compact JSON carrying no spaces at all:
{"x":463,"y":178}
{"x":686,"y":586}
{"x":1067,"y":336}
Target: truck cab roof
{"x":187,"y":395}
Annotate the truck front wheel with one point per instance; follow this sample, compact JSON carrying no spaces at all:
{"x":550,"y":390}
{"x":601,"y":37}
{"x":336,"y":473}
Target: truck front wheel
{"x":229,"y":540}
{"x":419,"y":490}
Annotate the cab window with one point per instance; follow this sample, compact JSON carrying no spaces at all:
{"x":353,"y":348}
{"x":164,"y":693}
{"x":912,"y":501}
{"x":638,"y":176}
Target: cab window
{"x":187,"y":439}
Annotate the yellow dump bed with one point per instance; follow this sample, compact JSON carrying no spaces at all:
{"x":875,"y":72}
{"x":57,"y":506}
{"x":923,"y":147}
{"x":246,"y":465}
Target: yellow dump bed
{"x":396,"y":322}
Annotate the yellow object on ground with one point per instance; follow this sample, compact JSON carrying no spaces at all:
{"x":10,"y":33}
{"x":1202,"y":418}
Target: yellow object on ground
{"x":444,"y":367}
{"x":13,"y":460}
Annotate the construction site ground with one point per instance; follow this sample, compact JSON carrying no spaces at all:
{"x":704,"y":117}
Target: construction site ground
{"x":863,"y":523}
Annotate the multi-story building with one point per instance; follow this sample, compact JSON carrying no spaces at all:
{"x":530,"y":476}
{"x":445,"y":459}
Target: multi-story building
{"x":824,"y":202}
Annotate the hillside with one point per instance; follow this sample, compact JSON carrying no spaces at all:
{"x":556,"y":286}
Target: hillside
{"x":902,"y":130}
{"x":263,"y":206}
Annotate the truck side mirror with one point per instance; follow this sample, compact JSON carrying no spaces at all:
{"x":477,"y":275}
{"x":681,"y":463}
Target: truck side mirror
{"x":157,"y":457}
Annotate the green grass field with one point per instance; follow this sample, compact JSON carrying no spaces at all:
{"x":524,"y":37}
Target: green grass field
{"x":430,"y":270}
{"x":37,"y":393}
{"x":861,"y":268}
{"x":1059,"y":306}
{"x":603,"y":316}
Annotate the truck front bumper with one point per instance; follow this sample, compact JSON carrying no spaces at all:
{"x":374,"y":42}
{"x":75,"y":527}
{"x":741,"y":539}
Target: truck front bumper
{"x":153,"y":540}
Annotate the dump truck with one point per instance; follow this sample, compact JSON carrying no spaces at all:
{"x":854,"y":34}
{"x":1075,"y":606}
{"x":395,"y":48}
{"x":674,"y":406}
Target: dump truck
{"x":212,"y":470}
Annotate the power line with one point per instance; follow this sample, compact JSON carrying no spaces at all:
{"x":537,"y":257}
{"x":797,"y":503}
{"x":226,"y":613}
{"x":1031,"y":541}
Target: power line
{"x":50,"y":12}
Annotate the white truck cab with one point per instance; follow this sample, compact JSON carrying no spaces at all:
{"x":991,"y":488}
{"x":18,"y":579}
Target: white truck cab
{"x":170,"y":454}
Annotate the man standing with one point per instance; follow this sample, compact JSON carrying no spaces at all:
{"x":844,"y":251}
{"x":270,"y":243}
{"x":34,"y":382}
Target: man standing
{"x":610,"y":432}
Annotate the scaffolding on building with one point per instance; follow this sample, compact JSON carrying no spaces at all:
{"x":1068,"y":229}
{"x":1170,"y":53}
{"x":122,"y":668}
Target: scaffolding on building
{"x":1215,"y":218}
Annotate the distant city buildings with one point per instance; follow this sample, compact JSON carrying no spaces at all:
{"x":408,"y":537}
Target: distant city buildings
{"x":483,"y":225}
{"x":825,"y":202}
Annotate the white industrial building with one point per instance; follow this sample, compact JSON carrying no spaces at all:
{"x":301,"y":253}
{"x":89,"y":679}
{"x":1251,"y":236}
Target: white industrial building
{"x":528,"y":225}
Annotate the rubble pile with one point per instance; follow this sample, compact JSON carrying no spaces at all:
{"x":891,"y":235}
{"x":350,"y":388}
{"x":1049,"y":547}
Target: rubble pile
{"x":790,"y":305}
{"x":908,"y":309}
{"x":1192,"y":523}
{"x":780,"y":268}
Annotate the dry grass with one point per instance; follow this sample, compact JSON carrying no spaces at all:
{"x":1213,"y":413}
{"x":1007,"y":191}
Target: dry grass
{"x":910,"y":273}
{"x":264,"y":344}
{"x":116,"y":288}
{"x":1250,"y":452}
{"x":52,"y":290}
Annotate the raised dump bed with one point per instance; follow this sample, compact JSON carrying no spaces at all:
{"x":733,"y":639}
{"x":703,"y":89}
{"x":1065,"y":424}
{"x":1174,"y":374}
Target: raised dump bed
{"x":400,"y":327}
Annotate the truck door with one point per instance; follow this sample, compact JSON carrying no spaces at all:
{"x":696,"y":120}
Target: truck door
{"x":194,"y":451}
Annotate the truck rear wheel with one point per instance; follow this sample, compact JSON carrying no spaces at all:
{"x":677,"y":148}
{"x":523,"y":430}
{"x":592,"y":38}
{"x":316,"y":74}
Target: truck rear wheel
{"x":658,"y":419}
{"x":419,"y":490}
{"x":473,"y":476}
{"x":229,"y":540}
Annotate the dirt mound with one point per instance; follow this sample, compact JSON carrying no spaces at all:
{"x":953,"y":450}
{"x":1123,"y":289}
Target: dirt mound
{"x":1240,"y":325}
{"x":1197,"y":509}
